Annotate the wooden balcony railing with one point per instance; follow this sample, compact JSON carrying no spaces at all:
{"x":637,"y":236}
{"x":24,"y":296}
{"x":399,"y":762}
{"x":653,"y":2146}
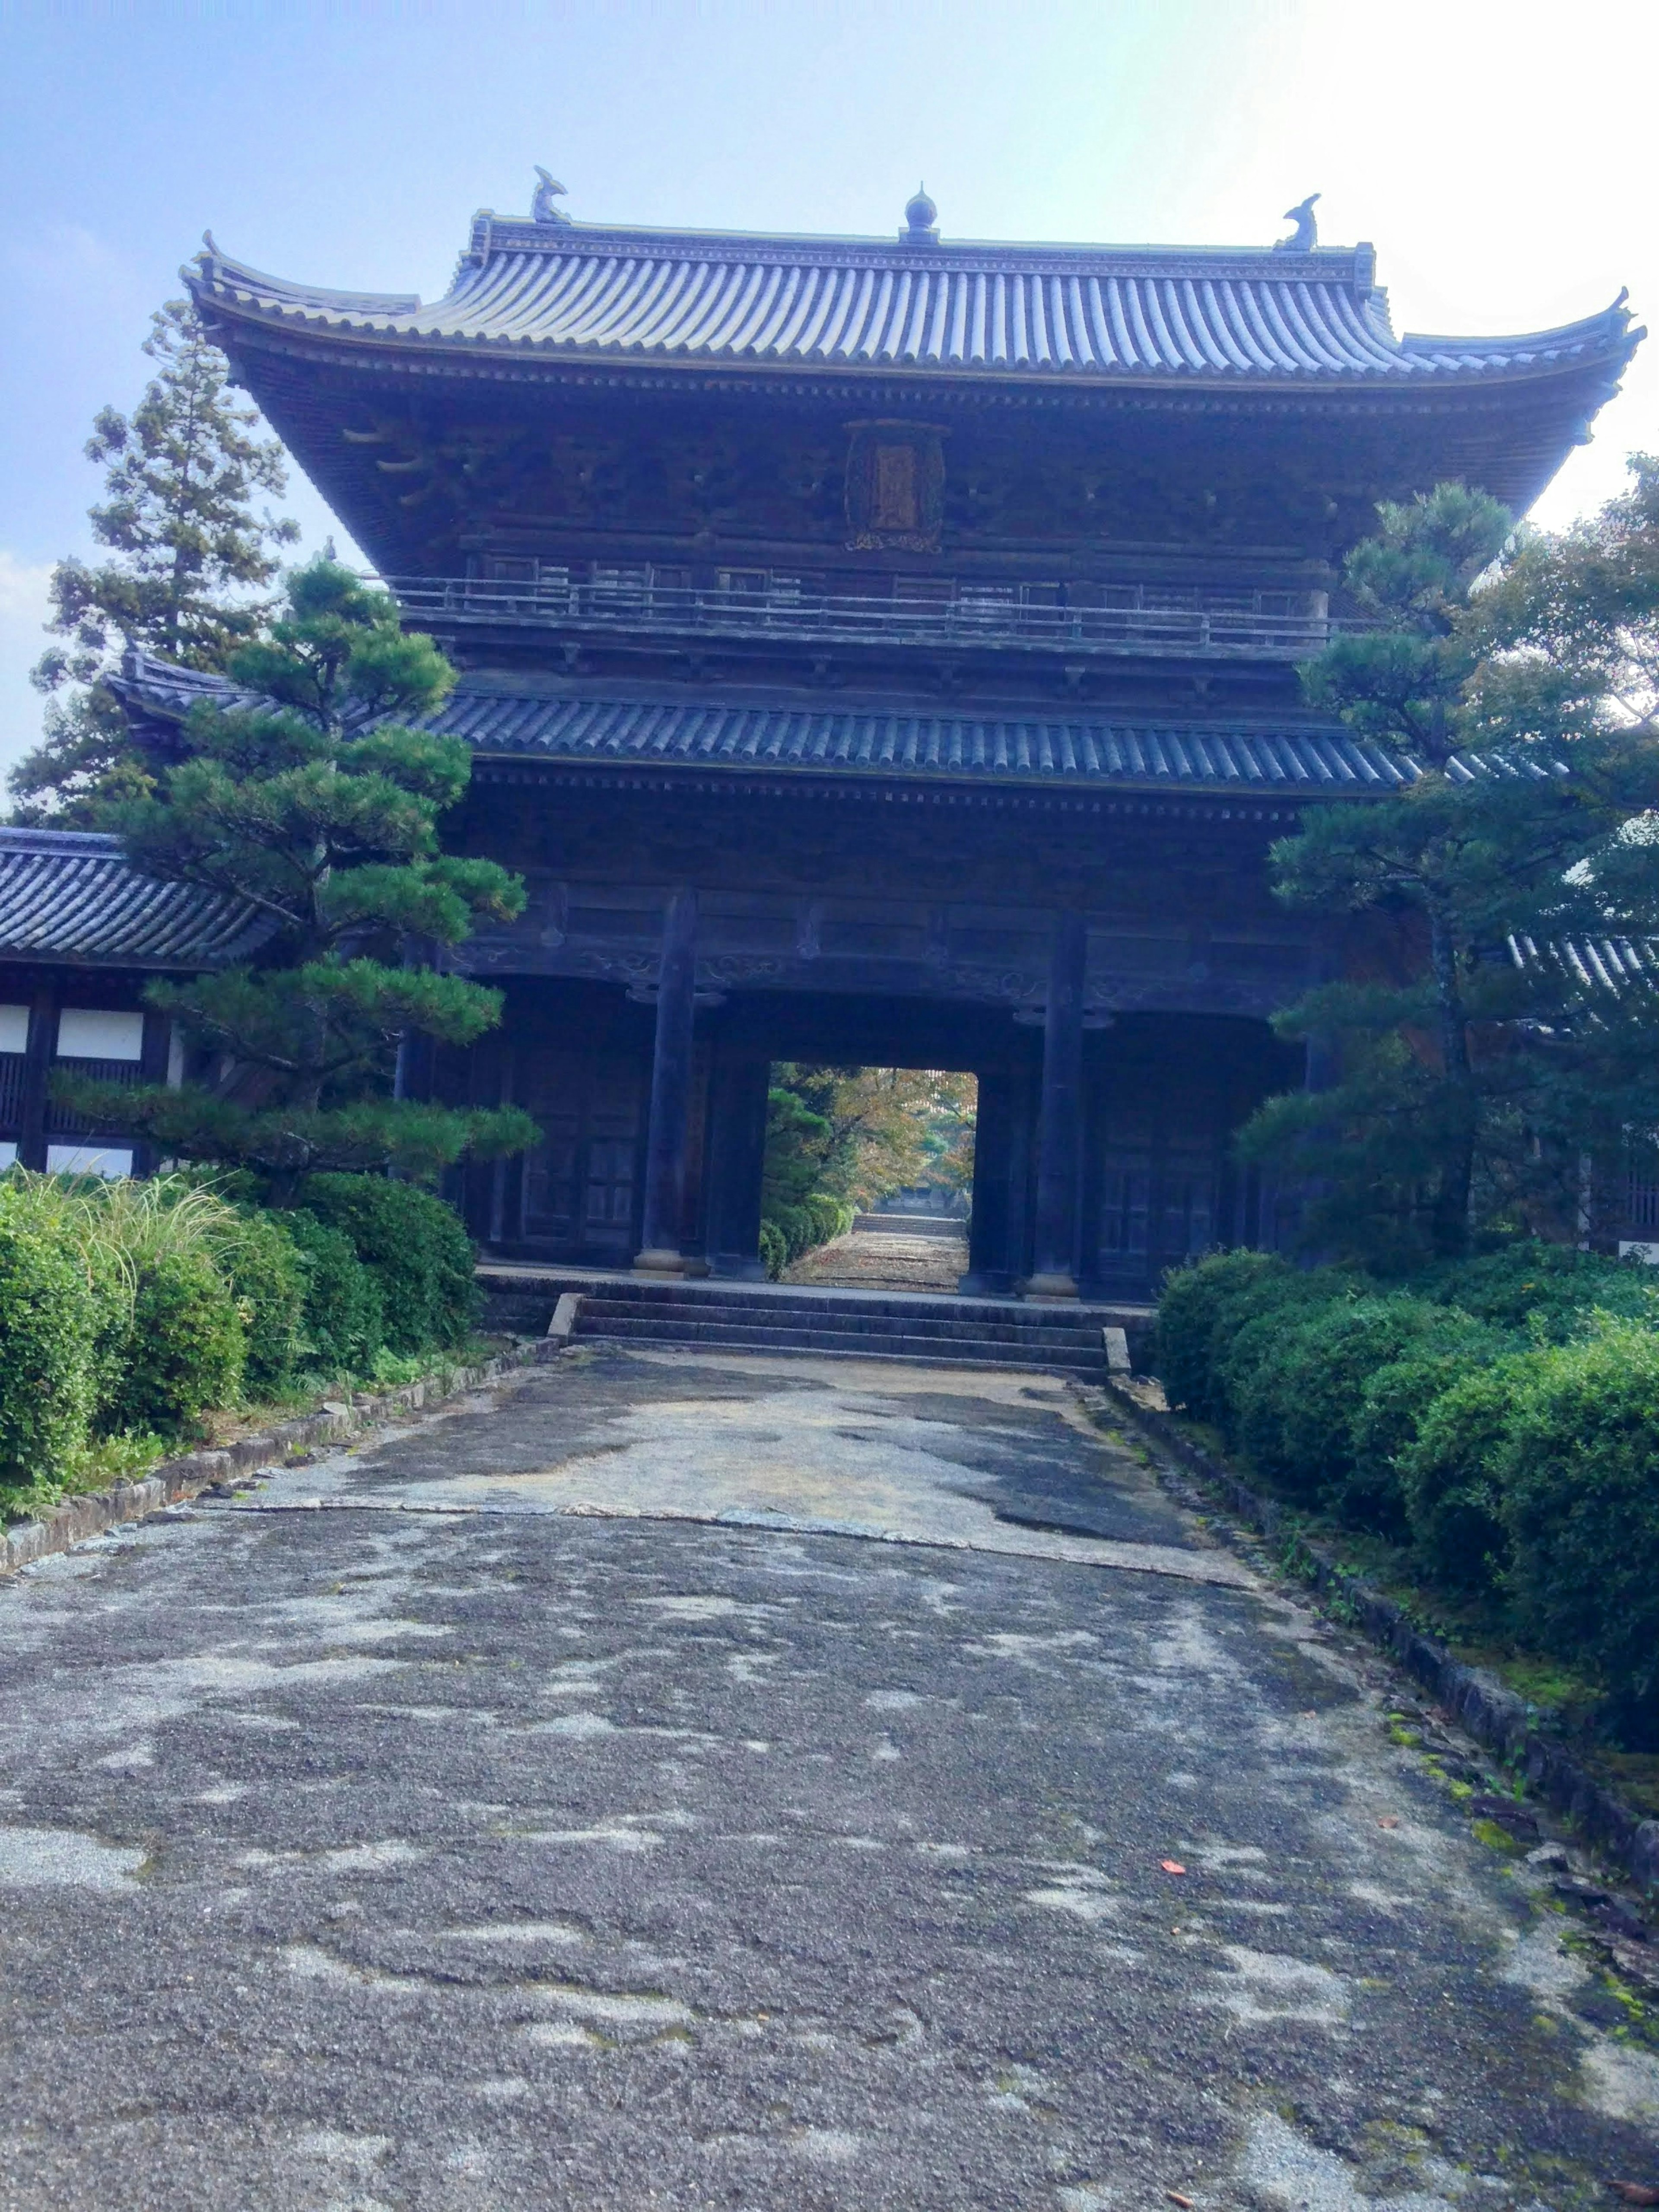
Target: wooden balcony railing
{"x":921,"y":611}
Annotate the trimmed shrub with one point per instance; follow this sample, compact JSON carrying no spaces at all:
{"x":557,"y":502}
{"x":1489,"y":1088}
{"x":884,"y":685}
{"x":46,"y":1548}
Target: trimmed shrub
{"x":774,"y":1249}
{"x":1392,"y":1405}
{"x":415,"y":1248}
{"x":1296,"y":1417}
{"x":259,"y":1260}
{"x":1191,"y":1309}
{"x":1252,"y":1332}
{"x":803,"y":1228}
{"x":341,"y":1313}
{"x":1578,"y":1474}
{"x":48,"y":1321}
{"x":1547,"y":1288}
{"x":185,"y":1350}
{"x":1448,"y":1474}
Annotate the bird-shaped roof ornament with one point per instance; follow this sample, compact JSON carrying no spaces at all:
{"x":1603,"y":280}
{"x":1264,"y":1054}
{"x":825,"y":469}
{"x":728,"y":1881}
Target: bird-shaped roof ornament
{"x":1306,"y":236}
{"x":545,"y":207}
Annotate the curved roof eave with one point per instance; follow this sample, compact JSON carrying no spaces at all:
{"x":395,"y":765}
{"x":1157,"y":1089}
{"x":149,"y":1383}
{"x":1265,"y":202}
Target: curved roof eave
{"x":1113,"y":319}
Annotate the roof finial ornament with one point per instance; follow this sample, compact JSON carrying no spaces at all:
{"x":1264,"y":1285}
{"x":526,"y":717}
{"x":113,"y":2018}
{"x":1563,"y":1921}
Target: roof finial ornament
{"x":545,"y":207}
{"x":922,"y":219}
{"x":1306,"y":236}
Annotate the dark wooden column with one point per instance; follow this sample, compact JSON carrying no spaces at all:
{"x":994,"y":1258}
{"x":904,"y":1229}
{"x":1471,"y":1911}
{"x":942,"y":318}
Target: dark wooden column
{"x":37,"y":1069}
{"x":1060,"y":1130}
{"x":152,"y":1068}
{"x":671,"y":1090}
{"x":992,"y":1264}
{"x":736,"y":1156}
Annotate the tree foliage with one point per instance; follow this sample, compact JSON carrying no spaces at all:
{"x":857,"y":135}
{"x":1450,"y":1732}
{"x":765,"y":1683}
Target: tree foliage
{"x":859,"y":1133}
{"x":188,"y":576}
{"x":1479,"y":1061}
{"x":322,"y":812}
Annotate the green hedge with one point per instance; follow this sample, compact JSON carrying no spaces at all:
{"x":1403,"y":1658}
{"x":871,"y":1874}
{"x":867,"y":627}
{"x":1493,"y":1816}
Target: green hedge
{"x":1500,"y":1417}
{"x":414,"y":1247}
{"x":185,"y":1353}
{"x":1577,"y":1472}
{"x":267,"y":1276}
{"x":130,"y":1310}
{"x":342,"y":1311}
{"x":803,"y":1228}
{"x":48,"y":1321}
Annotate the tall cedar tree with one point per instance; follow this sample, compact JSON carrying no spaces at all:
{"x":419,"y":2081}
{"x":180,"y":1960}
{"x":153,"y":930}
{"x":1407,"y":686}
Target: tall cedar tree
{"x":1477,"y":1062}
{"x":321,"y":809}
{"x":192,"y":560}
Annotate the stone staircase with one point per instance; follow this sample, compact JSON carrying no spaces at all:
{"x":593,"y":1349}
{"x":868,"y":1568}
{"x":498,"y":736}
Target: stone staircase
{"x":713,"y":1316}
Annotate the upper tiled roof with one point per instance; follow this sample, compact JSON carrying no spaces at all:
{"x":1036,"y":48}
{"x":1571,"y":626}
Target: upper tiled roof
{"x":68,"y":895}
{"x":1116,"y":313}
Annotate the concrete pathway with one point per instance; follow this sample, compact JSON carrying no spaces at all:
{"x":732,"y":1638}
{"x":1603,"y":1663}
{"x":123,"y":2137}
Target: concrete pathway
{"x":556,"y":1806}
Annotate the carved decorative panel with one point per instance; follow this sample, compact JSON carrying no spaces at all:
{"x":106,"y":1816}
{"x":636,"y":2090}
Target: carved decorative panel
{"x":894,"y":487}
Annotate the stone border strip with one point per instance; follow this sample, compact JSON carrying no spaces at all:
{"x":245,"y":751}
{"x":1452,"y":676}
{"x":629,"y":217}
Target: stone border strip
{"x":187,"y":1476}
{"x":1494,"y":1716}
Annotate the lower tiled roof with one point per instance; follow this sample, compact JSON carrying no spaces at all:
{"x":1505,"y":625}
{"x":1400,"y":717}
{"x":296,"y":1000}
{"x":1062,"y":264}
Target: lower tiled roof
{"x":70,"y":894}
{"x":873,"y":741}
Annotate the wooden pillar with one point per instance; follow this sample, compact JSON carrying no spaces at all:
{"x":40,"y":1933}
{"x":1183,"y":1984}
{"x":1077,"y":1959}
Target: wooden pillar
{"x":992,"y":1264}
{"x":671,"y":1091}
{"x":736,"y":1155}
{"x":1060,"y":1132}
{"x":153,"y":1056}
{"x":40,"y":1053}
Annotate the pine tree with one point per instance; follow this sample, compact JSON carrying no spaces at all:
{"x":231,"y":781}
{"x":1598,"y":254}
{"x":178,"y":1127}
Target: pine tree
{"x":320,"y":808}
{"x":1476,"y":1063}
{"x":192,"y":560}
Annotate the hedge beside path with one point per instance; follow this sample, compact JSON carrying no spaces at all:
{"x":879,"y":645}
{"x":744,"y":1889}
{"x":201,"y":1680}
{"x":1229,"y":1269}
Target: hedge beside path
{"x":1493,"y":1714}
{"x":1499,"y":1421}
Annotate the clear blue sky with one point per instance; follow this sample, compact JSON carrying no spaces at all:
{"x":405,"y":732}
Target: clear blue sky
{"x":1498,"y":154}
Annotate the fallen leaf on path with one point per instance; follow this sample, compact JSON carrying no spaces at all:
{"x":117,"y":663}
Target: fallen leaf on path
{"x":1389,"y":1820}
{"x":1635,"y":2192}
{"x":1172,"y":1866}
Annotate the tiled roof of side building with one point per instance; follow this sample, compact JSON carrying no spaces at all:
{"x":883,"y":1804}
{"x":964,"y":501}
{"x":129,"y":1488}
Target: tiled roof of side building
{"x":1619,"y":966}
{"x":67,"y":895}
{"x":1094,"y":313}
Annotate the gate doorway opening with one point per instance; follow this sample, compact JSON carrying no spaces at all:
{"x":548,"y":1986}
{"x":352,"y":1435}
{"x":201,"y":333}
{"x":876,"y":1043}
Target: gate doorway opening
{"x":868,"y":1175}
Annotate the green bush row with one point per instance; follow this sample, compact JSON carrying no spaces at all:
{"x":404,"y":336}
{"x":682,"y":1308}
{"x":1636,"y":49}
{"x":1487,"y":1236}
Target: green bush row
{"x":1500,"y":1417}
{"x":130,"y":1309}
{"x":794,"y":1230}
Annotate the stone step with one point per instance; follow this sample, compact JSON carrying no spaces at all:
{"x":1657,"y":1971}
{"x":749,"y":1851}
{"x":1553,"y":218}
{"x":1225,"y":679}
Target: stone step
{"x":1011,"y":1328}
{"x":884,"y":1305}
{"x":944,"y":1225}
{"x":738,"y":1336}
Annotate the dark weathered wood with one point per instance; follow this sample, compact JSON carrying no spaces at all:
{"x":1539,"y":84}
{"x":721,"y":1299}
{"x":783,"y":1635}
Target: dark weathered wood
{"x":734,"y":1161}
{"x":37,"y":1072}
{"x":990,"y":1264}
{"x":660,"y":1231}
{"x":1054,"y":1272}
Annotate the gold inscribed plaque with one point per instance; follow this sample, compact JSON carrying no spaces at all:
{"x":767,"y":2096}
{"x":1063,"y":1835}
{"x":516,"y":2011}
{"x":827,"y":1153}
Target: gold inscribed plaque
{"x":893,"y":501}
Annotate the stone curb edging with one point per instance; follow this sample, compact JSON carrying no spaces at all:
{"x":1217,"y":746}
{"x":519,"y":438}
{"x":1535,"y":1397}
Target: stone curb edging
{"x":1495,"y":1716}
{"x":187,"y":1476}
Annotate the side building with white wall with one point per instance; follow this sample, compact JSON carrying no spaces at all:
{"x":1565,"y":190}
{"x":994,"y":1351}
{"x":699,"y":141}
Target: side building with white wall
{"x":81,"y":934}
